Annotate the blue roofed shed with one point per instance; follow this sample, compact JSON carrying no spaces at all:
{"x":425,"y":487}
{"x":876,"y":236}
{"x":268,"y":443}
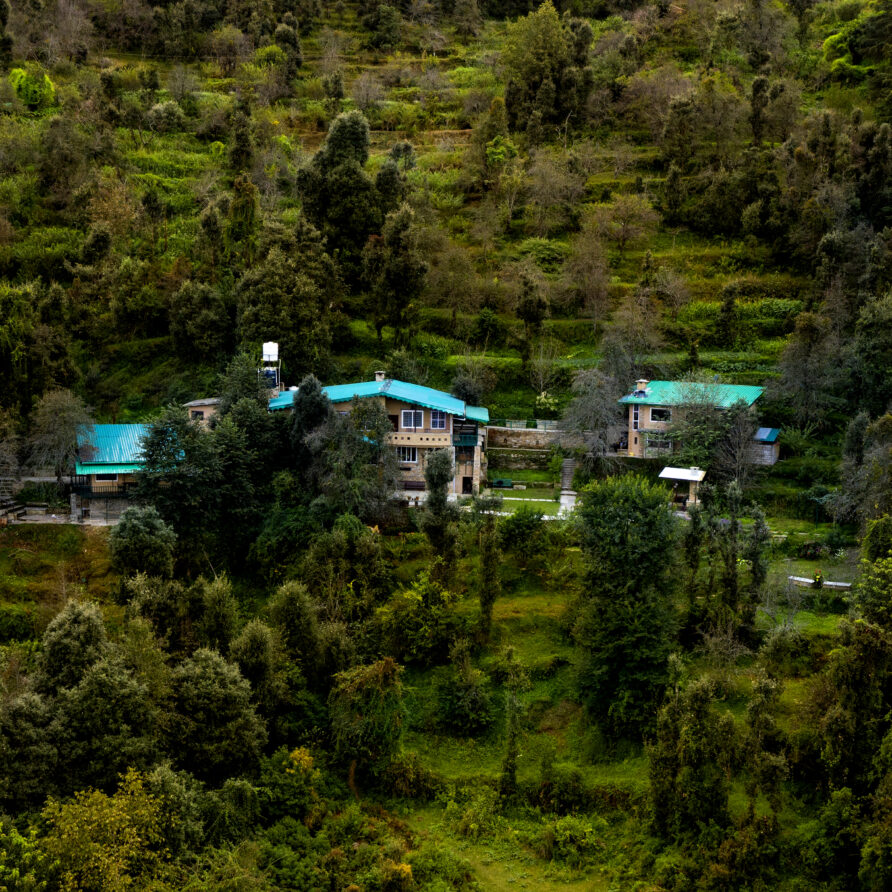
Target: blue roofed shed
{"x":765,"y":449}
{"x":110,"y":449}
{"x":767,"y":435}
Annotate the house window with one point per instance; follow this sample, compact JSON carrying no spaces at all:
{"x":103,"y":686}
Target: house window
{"x":407,"y":454}
{"x":661,"y":414}
{"x":106,"y":478}
{"x":438,"y":420}
{"x":634,"y":418}
{"x":412,"y":418}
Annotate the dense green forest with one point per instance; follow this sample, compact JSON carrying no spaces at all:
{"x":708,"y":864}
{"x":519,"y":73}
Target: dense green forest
{"x":270,"y":674}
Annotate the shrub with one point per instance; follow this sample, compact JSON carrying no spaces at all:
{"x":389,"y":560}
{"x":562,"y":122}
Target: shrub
{"x":17,"y":622}
{"x":142,"y":543}
{"x":784,"y":650}
{"x":548,"y":255}
{"x":167,"y":117}
{"x":288,"y":783}
{"x":522,"y":530}
{"x":418,"y":623}
{"x":33,"y":87}
{"x":476,"y":814}
{"x":464,"y":701}
{"x":435,"y":867}
{"x":269,"y":56}
{"x":561,"y":790}
{"x":406,"y":777}
{"x":877,"y":542}
{"x":571,"y":840}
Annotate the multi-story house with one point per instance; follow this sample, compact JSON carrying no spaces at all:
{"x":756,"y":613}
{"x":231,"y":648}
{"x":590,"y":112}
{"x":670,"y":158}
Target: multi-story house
{"x":423,"y":419}
{"x":653,"y":406}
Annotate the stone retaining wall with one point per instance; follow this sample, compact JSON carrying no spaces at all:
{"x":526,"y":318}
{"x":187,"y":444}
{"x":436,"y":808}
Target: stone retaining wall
{"x":518,"y":459}
{"x":518,"y":438}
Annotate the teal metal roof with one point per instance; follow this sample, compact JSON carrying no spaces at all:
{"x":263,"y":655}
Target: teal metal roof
{"x":110,"y":449}
{"x":80,"y":468}
{"x":767,"y":434}
{"x":680,"y":393}
{"x":397,"y":390}
{"x":285,"y":400}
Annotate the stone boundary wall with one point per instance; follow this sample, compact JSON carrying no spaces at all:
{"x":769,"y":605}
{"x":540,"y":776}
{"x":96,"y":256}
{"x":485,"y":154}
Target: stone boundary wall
{"x":518,"y":438}
{"x":518,"y":459}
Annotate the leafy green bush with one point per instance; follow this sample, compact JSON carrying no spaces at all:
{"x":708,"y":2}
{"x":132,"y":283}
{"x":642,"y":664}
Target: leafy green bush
{"x":288,"y":855}
{"x":435,"y":867}
{"x":561,"y":790}
{"x":464,"y":702}
{"x":406,"y":777}
{"x":48,"y":252}
{"x":522,"y":532}
{"x":475,"y":813}
{"x":18,"y":622}
{"x":418,"y":623}
{"x":269,"y":56}
{"x":288,"y":782}
{"x":432,"y":346}
{"x":547,"y":254}
{"x":40,"y":493}
{"x":25,"y":864}
{"x":785,"y":651}
{"x":33,"y":87}
{"x":572,"y":840}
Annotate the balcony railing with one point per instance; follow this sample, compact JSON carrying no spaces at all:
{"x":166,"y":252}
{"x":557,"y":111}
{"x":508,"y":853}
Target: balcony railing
{"x":93,"y":489}
{"x":422,"y":430}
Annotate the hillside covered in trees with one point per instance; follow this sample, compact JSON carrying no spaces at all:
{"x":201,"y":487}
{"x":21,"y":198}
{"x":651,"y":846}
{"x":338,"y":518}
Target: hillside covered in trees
{"x":270,"y":674}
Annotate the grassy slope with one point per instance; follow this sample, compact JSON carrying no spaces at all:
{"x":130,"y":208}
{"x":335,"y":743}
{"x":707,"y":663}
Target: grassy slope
{"x":140,"y":375}
{"x":41,"y":564}
{"x":425,"y":104}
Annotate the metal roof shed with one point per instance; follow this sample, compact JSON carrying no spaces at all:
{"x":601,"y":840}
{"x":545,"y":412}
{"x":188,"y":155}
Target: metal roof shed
{"x":692,"y":476}
{"x":110,"y":449}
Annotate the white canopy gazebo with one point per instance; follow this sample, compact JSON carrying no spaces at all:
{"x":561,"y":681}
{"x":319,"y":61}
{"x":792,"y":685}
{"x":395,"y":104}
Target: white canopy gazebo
{"x":692,"y":476}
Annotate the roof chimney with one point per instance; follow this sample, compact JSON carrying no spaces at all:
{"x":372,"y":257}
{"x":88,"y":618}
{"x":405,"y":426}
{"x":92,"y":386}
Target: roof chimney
{"x":380,"y":376}
{"x":641,"y":386}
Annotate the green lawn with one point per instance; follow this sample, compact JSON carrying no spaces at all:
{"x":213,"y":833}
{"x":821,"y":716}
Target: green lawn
{"x":511,"y":505}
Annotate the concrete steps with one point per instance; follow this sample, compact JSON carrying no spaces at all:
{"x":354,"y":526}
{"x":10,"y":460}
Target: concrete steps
{"x":568,"y":468}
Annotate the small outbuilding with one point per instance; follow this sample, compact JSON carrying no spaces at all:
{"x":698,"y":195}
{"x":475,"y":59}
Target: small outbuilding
{"x":202,"y":410}
{"x":765,"y":449}
{"x":681,"y":494}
